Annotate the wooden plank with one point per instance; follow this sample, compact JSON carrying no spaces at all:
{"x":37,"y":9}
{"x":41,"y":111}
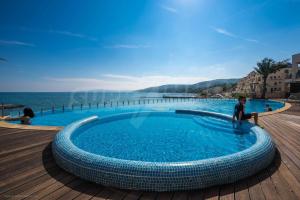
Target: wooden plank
{"x":241,"y":191}
{"x":104,"y":194}
{"x":52,"y":188}
{"x":164,"y":195}
{"x":35,"y":185}
{"x":180,"y":196}
{"x":20,"y":179}
{"x":255,"y":190}
{"x":281,"y":186}
{"x":12,"y":132}
{"x":196,"y":195}
{"x":148,"y":196}
{"x":290,"y":165}
{"x":227,"y":192}
{"x":22,"y":148}
{"x":212,"y":193}
{"x":23,"y":135}
{"x":21,"y":154}
{"x":133,"y":195}
{"x":28,"y":158}
{"x":90,"y":192}
{"x":26,"y":165}
{"x":267,"y":186}
{"x":24,"y":142}
{"x":290,"y":179}
{"x":118,"y":194}
{"x":76,"y":191}
{"x":63,"y":190}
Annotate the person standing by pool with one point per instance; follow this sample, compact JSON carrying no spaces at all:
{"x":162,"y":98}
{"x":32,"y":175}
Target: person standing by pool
{"x":25,"y":119}
{"x":239,"y":111}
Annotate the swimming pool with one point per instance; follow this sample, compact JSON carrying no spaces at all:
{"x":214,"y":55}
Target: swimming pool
{"x":162,"y":151}
{"x":225,"y":106}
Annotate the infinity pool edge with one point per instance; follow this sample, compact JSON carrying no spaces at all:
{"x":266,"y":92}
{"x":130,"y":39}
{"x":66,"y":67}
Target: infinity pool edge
{"x":6,"y":124}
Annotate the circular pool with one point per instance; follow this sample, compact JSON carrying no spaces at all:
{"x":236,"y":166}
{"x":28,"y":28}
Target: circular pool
{"x":162,"y":151}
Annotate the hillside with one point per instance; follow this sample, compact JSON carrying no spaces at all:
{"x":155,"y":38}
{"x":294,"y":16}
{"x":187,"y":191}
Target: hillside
{"x":193,"y":88}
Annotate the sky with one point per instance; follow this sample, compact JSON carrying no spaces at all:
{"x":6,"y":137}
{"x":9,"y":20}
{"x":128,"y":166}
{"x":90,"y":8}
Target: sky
{"x":62,"y":45}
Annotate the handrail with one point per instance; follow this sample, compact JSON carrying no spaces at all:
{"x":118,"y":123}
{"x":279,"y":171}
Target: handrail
{"x":141,"y":101}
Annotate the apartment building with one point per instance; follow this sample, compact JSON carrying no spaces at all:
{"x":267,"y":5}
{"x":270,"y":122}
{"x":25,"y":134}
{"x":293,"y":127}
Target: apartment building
{"x":278,"y":84}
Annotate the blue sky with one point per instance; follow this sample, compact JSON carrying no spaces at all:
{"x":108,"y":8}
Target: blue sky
{"x":132,"y":44}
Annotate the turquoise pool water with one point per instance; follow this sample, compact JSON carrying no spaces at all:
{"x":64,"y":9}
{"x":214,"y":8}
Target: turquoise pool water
{"x":162,"y":151}
{"x":164,"y":137}
{"x":224,"y":106}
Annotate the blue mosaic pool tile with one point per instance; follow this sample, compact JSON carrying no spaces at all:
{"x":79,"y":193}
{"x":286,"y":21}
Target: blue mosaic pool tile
{"x":151,"y":176}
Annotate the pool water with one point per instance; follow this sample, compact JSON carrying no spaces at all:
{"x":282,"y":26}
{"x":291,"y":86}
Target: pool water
{"x":224,"y":106}
{"x":164,"y":137}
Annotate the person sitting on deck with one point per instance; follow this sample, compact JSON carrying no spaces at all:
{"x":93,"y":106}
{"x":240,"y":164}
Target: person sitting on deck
{"x":25,"y":119}
{"x":268,"y":108}
{"x":239,"y":111}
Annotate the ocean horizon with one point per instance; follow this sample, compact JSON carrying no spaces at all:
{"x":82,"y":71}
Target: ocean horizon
{"x":47,"y":100}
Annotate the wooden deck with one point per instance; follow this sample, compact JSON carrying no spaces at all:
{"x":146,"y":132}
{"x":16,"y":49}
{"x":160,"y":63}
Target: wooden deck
{"x":28,"y":171}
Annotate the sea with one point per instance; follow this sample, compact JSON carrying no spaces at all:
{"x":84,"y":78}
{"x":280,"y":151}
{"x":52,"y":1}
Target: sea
{"x":49,"y":100}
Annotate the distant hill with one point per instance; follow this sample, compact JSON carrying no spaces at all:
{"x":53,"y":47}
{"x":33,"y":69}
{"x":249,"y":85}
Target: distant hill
{"x":192,"y":88}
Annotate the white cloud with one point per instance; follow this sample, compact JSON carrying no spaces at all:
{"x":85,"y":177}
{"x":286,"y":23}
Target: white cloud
{"x":71,"y":34}
{"x":127,"y":46}
{"x":60,"y":32}
{"x":15,"y":43}
{"x":224,"y":32}
{"x":121,"y":82}
{"x":230,"y":34}
{"x":251,"y":40}
{"x":169,"y":9}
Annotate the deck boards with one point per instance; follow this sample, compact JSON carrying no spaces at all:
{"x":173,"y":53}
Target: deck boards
{"x":28,"y":171}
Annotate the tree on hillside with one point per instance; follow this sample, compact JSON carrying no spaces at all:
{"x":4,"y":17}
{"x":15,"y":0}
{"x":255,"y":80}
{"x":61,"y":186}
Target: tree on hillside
{"x":266,"y":67}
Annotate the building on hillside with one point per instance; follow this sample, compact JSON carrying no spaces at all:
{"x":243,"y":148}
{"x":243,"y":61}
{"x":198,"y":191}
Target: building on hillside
{"x":278,"y":84}
{"x":295,"y":84}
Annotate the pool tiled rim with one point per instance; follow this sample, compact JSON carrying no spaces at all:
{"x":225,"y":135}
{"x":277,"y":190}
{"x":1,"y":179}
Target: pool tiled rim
{"x":156,"y":176}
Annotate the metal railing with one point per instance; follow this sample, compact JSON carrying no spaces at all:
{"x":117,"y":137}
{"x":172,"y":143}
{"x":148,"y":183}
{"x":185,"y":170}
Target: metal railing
{"x":106,"y":104}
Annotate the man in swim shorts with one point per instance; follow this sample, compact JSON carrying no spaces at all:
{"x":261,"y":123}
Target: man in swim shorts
{"x":239,"y":112}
